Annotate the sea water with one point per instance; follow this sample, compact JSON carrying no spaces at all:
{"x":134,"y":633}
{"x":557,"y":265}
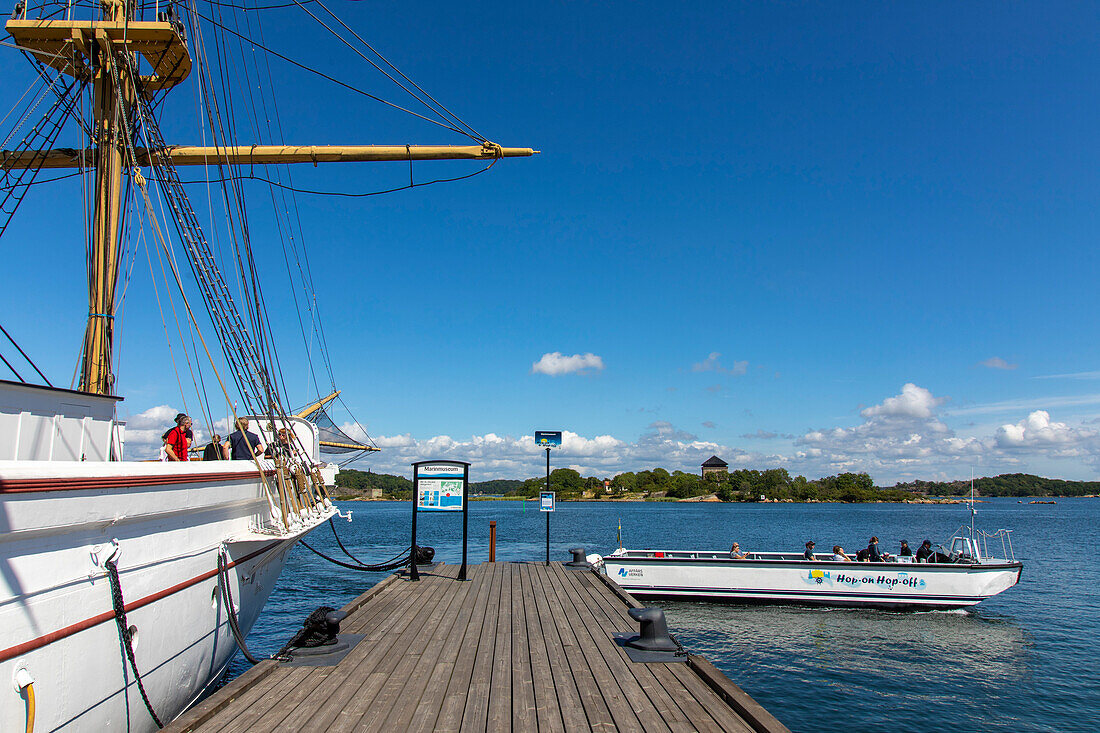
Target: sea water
{"x":1024,"y":660}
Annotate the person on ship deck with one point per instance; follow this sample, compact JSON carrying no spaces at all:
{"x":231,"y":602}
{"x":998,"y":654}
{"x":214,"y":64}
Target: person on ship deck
{"x":924,"y":551}
{"x":809,"y":553}
{"x":736,"y":554}
{"x":243,"y":445}
{"x":178,"y":439}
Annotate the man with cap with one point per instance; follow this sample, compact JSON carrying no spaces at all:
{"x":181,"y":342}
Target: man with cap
{"x":905,"y":551}
{"x":924,"y":551}
{"x":809,"y":553}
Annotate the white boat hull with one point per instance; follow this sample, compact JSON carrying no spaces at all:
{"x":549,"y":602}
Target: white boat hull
{"x":775,"y":578}
{"x":171,"y":521}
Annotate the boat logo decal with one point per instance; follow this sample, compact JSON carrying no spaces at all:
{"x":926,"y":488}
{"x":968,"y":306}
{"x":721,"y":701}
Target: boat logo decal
{"x":633,"y":572}
{"x":821,"y":577}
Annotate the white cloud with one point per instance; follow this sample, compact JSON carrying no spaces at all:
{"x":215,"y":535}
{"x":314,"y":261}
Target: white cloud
{"x":1036,"y":403}
{"x":997,"y":362}
{"x":1075,"y":375}
{"x":1039,"y":432}
{"x":712,"y":364}
{"x":913,"y":402}
{"x":556,"y":363}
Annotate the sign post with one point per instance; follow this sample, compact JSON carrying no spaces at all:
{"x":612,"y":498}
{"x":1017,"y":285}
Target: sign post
{"x":547,"y":439}
{"x":440,"y":486}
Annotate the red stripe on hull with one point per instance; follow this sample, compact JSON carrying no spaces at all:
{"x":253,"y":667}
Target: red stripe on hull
{"x":24,"y":485}
{"x":27,"y":646}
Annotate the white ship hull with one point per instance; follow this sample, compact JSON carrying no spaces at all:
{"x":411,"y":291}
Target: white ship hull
{"x":779,"y":578}
{"x":171,"y":520}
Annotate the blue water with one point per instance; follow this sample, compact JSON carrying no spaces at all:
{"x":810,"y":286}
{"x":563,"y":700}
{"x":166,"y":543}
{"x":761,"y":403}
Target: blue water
{"x":1021,"y":661}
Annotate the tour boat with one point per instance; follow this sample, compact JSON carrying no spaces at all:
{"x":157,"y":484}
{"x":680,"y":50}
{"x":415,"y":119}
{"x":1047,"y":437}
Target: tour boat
{"x":126,"y":585}
{"x":964,"y":575}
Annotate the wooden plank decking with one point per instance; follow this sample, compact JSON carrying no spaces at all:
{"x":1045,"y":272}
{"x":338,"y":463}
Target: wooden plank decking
{"x":520,"y":647}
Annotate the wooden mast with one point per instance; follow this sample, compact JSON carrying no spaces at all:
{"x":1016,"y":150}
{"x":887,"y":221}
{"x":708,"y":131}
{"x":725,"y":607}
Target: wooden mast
{"x":92,"y":50}
{"x":96,"y":374}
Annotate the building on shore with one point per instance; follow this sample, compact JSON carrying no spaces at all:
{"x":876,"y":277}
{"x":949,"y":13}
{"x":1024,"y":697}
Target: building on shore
{"x":715,"y":466}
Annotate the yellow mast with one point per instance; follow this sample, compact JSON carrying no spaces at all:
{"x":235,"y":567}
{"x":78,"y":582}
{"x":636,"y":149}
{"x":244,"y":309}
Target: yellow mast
{"x":105,"y":51}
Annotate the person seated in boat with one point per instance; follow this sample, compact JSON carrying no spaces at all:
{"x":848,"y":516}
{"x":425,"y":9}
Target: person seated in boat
{"x":242,"y":444}
{"x":905,"y":551}
{"x":924,"y":551}
{"x":809,"y":553}
{"x":215,"y":451}
{"x":873,"y":553}
{"x":178,"y":439}
{"x":863,"y":555}
{"x":839,"y":555}
{"x":736,"y":554}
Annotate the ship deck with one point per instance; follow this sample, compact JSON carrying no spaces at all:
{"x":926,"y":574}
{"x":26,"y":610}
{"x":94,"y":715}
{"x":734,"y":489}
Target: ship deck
{"x":519,"y":646}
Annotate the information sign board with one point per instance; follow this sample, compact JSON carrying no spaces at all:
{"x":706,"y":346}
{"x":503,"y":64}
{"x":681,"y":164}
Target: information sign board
{"x":546,"y":501}
{"x":548,"y":438}
{"x":440,"y":486}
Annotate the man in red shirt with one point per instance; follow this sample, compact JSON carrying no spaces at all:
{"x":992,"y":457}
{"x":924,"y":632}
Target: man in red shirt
{"x":176,"y":440}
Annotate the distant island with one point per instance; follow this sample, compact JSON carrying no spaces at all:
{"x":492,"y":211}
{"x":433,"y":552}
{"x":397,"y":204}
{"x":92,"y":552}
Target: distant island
{"x":741,"y":485}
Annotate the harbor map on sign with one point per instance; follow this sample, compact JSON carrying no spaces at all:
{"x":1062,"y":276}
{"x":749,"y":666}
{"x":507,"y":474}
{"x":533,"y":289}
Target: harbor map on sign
{"x":434,"y":494}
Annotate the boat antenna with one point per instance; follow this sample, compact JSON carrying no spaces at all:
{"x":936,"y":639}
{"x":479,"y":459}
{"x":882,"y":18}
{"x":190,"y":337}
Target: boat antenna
{"x":620,"y":533}
{"x":972,"y":510}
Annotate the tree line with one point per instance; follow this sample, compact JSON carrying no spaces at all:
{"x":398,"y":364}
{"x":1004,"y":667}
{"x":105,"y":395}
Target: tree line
{"x":774,"y":484}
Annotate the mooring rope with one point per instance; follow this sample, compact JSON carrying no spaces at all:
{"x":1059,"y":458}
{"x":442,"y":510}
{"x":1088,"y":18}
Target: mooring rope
{"x":400,"y":562}
{"x":227,"y":596}
{"x":353,"y":557}
{"x":124,"y":635}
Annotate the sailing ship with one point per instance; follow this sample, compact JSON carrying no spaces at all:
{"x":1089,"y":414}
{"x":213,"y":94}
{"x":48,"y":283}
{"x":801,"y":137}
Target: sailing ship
{"x":126,"y":585}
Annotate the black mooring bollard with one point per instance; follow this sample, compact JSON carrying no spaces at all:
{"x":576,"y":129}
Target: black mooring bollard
{"x":654,"y":631}
{"x":578,"y":560}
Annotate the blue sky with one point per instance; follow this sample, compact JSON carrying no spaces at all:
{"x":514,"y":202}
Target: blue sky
{"x":827,"y":237}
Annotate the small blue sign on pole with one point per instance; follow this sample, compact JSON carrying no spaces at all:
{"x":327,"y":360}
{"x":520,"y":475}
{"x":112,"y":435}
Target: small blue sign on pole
{"x":548,"y":438}
{"x":546,"y":501}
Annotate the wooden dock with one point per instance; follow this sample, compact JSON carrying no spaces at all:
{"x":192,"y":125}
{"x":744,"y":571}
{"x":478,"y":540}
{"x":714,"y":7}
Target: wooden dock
{"x":518,"y":647}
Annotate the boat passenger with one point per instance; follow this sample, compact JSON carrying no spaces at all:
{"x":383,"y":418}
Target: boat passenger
{"x":905,"y":551}
{"x":178,"y":439}
{"x":240,"y":441}
{"x":215,"y":451}
{"x":838,"y":554}
{"x":873,"y":553}
{"x":924,"y":551}
{"x":809,"y":553}
{"x":863,"y":555}
{"x":736,"y":554}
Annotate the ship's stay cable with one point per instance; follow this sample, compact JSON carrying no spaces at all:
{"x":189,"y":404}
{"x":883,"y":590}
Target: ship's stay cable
{"x":24,"y":355}
{"x":336,"y":81}
{"x":438,"y":108}
{"x":13,"y":371}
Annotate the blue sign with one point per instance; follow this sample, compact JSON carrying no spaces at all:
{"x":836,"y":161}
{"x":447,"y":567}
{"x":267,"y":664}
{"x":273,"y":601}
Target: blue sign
{"x":548,"y":438}
{"x":546,"y":501}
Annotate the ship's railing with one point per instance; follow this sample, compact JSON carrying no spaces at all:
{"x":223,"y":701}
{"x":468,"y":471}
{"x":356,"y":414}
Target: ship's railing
{"x":1005,"y":536}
